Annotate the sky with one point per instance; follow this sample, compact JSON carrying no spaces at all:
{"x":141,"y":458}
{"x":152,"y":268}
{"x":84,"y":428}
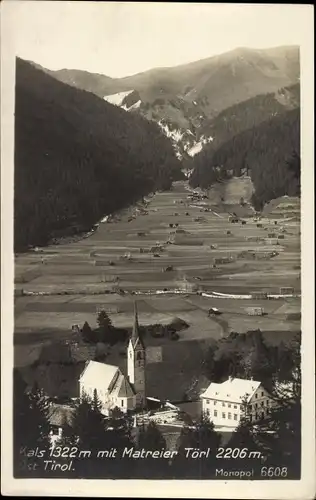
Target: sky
{"x":119,"y":39}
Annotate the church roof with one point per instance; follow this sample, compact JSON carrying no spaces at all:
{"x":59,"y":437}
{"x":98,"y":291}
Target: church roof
{"x":125,"y":390}
{"x":101,"y":372}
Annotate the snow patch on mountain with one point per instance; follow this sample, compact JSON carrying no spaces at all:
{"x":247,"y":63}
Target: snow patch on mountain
{"x":176,"y":134}
{"x":198,"y":146}
{"x":183,"y":141}
{"x":118,"y":98}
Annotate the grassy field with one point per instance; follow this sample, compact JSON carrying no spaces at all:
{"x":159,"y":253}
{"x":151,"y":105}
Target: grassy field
{"x":126,"y":255}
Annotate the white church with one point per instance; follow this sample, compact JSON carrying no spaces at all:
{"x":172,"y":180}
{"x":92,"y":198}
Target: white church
{"x":112,"y":387}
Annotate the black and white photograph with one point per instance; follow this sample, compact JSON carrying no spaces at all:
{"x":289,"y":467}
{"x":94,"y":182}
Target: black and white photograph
{"x":157,"y":232}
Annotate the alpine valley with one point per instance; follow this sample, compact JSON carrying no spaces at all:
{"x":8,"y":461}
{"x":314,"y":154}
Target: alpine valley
{"x":186,"y":100}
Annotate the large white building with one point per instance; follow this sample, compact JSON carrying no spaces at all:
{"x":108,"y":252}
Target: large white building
{"x":111,"y":386}
{"x":226,"y":403}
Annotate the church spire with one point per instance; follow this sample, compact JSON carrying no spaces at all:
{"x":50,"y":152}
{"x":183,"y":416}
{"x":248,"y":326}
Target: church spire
{"x":136,"y":361}
{"x":136,"y":337}
{"x":135,"y":332}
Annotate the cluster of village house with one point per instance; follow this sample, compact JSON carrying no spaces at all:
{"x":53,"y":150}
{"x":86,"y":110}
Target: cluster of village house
{"x":224,"y":403}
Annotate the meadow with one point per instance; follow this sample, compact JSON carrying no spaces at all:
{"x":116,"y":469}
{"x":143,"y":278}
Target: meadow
{"x":139,"y":256}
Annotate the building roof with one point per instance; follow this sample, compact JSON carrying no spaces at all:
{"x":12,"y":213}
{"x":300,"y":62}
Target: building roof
{"x":125,"y":390}
{"x":122,"y":387}
{"x":98,"y":372}
{"x":60,"y":415}
{"x":233,"y":390}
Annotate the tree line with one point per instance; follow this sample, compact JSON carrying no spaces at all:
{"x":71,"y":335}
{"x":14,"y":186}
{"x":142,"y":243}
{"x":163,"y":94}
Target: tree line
{"x":107,"y":333}
{"x":78,"y":158}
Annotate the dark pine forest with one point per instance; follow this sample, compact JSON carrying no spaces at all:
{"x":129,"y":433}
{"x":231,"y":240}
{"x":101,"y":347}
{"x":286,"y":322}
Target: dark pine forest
{"x":269,"y":152}
{"x":78,"y":158}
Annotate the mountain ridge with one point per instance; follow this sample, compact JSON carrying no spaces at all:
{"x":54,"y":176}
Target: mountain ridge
{"x":182,"y":98}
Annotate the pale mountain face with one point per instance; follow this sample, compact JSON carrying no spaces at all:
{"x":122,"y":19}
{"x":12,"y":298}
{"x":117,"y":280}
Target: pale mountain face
{"x":184,"y":99}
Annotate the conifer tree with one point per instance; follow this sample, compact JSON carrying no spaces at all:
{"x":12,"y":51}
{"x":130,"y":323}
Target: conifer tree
{"x":30,"y":424}
{"x":105,"y":328}
{"x":87,"y":334}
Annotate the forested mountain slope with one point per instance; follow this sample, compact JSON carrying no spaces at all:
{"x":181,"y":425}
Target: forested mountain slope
{"x":183,"y":99}
{"x":78,"y":157}
{"x":250,"y":113}
{"x":270,"y":152}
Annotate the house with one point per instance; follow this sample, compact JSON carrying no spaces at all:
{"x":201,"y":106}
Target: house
{"x":59,"y":416}
{"x":286,"y":290}
{"x":222,"y":260}
{"x":254,"y":311}
{"x":233,"y":219}
{"x":111,"y":386}
{"x":227,"y":402}
{"x":214,"y":311}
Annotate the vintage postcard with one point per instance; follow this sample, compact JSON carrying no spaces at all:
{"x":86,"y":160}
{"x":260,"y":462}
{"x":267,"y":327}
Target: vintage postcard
{"x":157,"y":250}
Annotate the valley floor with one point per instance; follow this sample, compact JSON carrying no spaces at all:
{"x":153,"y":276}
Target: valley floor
{"x":66,"y":284}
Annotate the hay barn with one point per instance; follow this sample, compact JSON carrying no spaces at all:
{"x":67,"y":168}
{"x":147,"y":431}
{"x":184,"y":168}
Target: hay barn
{"x":255,"y":311}
{"x":286,"y":290}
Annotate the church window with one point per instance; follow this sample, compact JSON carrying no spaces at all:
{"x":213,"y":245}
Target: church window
{"x":215,"y":413}
{"x":139,"y":355}
{"x":122,"y":402}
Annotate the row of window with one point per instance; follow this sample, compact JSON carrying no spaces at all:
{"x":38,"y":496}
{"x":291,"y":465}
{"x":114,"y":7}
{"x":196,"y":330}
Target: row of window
{"x":257,"y":416}
{"x":229,"y":415}
{"x":256,"y":405}
{"x":229,"y":405}
{"x":223,"y":404}
{"x":262,"y":394}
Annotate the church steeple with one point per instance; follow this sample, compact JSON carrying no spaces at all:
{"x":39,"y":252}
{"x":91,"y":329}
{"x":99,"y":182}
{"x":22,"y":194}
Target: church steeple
{"x":136,"y":337}
{"x":135,"y":332}
{"x":136,"y":361}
